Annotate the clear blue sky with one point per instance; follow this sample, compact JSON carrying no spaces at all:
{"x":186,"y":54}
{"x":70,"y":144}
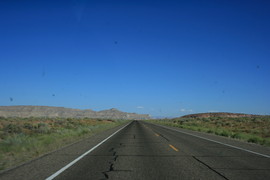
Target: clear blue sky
{"x":164,"y":58}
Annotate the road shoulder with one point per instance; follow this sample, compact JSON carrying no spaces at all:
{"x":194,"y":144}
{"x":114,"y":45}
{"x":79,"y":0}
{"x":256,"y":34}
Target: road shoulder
{"x":223,"y":140}
{"x":44,"y":166}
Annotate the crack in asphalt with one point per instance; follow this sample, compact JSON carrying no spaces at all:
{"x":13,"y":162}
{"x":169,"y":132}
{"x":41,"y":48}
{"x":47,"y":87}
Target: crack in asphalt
{"x":112,"y":162}
{"x":210,"y":168}
{"x":164,"y":137}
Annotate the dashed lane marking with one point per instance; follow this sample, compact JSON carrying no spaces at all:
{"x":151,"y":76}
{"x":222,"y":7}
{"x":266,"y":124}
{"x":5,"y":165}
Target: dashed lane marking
{"x":174,"y":148}
{"x":225,"y":144}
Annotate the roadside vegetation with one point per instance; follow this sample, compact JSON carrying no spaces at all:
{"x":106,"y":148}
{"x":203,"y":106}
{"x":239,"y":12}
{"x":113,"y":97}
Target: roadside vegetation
{"x":250,"y":129}
{"x":22,"y":139}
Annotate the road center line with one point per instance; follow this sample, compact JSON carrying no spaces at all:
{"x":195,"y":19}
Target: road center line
{"x":253,"y":152}
{"x":174,"y":148}
{"x":80,"y":157}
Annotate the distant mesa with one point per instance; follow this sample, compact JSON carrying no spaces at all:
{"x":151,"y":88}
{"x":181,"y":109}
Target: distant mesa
{"x":218,"y":114}
{"x":49,"y":111}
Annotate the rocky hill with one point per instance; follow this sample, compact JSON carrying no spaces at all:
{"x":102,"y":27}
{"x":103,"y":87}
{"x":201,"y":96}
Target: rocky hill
{"x":219,"y":114}
{"x":48,"y":111}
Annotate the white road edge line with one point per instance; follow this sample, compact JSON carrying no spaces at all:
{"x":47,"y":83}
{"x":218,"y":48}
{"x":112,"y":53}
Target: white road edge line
{"x":253,"y":152}
{"x":80,"y":157}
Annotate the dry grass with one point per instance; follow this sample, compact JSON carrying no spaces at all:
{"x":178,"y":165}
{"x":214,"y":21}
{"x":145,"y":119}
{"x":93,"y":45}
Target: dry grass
{"x":22,"y":139}
{"x":251,"y":129}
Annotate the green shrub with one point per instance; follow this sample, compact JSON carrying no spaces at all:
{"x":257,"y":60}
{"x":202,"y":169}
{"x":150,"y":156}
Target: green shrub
{"x":43,"y":128}
{"x":12,"y":129}
{"x":13,"y":143}
{"x":253,"y":140}
{"x":225,"y":133}
{"x":236,"y":136}
{"x":210,"y":131}
{"x":28,"y":126}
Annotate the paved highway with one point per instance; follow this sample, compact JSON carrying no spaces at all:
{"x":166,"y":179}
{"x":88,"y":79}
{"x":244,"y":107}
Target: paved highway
{"x":145,"y":151}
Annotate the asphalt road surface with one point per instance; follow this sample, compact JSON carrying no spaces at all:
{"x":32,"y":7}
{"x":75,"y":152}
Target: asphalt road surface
{"x":145,"y":151}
